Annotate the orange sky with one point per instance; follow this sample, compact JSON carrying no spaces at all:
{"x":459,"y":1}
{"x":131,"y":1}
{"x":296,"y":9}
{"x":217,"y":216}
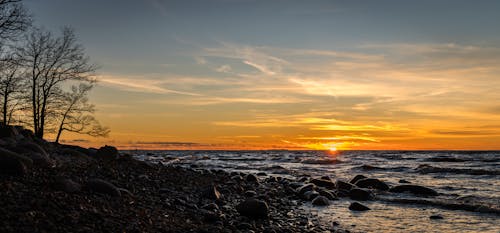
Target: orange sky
{"x":235,"y":75}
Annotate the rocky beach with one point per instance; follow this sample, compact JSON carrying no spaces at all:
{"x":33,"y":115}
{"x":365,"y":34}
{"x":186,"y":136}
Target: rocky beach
{"x":48,"y":187}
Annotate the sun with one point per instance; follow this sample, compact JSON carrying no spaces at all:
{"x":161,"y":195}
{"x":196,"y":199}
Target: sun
{"x":333,"y":148}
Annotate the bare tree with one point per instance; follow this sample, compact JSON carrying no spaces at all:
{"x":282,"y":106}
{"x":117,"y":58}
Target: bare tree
{"x":11,"y":87}
{"x":76,"y":113}
{"x":14,"y":19}
{"x":50,"y":62}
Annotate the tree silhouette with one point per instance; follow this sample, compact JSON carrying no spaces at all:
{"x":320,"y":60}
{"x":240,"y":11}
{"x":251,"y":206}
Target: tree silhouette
{"x":14,"y":19}
{"x":75,"y":111}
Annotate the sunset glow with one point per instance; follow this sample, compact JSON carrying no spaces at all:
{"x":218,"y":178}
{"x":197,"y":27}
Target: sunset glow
{"x":326,"y":76}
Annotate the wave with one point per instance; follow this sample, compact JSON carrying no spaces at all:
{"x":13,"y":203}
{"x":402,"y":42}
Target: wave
{"x":446,"y":204}
{"x":425,"y":169}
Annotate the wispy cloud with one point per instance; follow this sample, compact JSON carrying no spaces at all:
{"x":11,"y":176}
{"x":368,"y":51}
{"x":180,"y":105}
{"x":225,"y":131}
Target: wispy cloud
{"x":141,"y":84}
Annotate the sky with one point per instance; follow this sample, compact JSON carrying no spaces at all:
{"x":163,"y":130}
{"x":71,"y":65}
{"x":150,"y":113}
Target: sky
{"x":276,"y":74}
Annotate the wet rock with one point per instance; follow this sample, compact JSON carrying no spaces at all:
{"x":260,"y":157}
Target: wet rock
{"x":436,"y":217}
{"x":14,"y":164}
{"x":262,"y":174}
{"x":211,"y":216}
{"x":125,"y":192}
{"x":252,"y":178}
{"x":341,"y":185}
{"x":67,"y":185}
{"x":304,"y":188}
{"x":323,"y":183}
{"x":107,"y":153}
{"x":309,"y":195}
{"x":370,"y":167}
{"x":253,"y":208}
{"x":327,"y":194}
{"x":320,"y":201}
{"x":237,"y":178}
{"x":356,"y":206}
{"x":102,"y":186}
{"x":372,"y":183}
{"x":356,"y":178}
{"x":320,"y":161}
{"x":212,"y":193}
{"x":414,"y":189}
{"x":359,"y":194}
{"x":403,"y":181}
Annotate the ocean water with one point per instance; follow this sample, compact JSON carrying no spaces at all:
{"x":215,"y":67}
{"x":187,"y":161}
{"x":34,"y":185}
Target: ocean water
{"x":468,"y":183}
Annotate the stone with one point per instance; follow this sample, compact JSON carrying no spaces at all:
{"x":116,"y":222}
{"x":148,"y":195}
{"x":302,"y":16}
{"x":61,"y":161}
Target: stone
{"x":320,"y":201}
{"x":323,"y":183}
{"x":309,"y":195}
{"x":211,"y":206}
{"x":107,"y":153}
{"x":436,"y":217}
{"x":414,"y":189}
{"x":356,"y":206}
{"x":356,"y":178}
{"x":8,"y":131}
{"x":304,"y":188}
{"x":15,"y":164}
{"x":359,"y":194}
{"x":327,"y":194}
{"x":67,"y":185}
{"x":212,"y":193}
{"x":103,"y":187}
{"x":250,"y":193}
{"x":403,"y":181}
{"x":341,"y":185}
{"x":372,"y":183}
{"x":252,"y":178}
{"x":253,"y":208}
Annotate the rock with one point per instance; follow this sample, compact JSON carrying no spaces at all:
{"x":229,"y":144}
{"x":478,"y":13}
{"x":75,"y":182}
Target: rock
{"x":40,"y":159}
{"x":327,"y":194}
{"x":237,"y":178}
{"x":435,"y":217}
{"x":320,"y":201}
{"x":323,"y":183}
{"x":304,"y":188}
{"x":8,"y":131}
{"x":102,"y":186}
{"x":33,"y":147}
{"x":252,"y":178}
{"x":404,"y":181}
{"x":356,"y":178}
{"x":211,"y":216}
{"x":341,"y":185}
{"x":107,"y":153}
{"x":356,"y":206}
{"x":211,"y":206}
{"x":372,"y":183}
{"x":14,"y":164}
{"x":212,"y":193}
{"x":360,"y":194}
{"x":325,"y":178}
{"x":262,"y":174}
{"x":250,"y":193}
{"x":414,"y":189}
{"x":253,"y":208}
{"x":309,"y":195}
{"x":125,"y":192}
{"x":67,"y":185}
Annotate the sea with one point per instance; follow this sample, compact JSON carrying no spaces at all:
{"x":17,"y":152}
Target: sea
{"x":468,"y":183}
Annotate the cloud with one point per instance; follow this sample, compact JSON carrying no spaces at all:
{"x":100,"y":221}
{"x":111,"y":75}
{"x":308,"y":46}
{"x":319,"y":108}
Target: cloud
{"x":224,"y":69}
{"x":140,"y":84}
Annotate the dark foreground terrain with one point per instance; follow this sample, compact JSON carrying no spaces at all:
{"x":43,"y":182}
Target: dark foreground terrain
{"x":46,"y":187}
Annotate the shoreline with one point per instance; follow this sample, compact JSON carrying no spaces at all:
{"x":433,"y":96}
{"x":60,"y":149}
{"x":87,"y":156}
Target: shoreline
{"x":61,"y":188}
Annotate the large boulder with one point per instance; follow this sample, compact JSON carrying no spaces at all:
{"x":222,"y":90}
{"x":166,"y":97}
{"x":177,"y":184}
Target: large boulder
{"x":359,"y":194}
{"x":103,"y":187}
{"x":107,"y":153}
{"x":253,"y":208}
{"x":372,"y":183}
{"x":12,"y":163}
{"x":8,"y":131}
{"x":414,"y":189}
{"x":67,"y":185}
{"x":304,"y":188}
